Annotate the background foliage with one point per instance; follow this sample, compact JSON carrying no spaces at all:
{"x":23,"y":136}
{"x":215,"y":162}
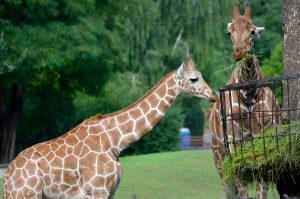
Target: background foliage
{"x":77,"y":58}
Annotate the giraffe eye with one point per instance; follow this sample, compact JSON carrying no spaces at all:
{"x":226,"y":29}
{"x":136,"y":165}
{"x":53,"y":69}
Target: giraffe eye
{"x":228,"y":33}
{"x":252,"y":32}
{"x":194,"y":79}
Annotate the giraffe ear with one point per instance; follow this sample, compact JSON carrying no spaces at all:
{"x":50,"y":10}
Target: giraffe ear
{"x":247,"y":13}
{"x":180,"y":72}
{"x":236,"y":11}
{"x":259,"y":31}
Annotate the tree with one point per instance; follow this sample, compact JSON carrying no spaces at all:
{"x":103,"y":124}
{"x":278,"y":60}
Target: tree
{"x":70,"y":46}
{"x":291,"y":49}
{"x":289,"y":184}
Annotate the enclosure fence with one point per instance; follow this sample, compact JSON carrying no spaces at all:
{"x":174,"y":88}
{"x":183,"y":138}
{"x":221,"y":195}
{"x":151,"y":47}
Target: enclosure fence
{"x":252,"y":120}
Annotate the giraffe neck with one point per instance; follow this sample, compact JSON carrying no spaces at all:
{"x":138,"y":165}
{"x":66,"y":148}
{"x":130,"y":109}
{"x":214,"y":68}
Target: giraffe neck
{"x":249,"y":69}
{"x":128,"y":125}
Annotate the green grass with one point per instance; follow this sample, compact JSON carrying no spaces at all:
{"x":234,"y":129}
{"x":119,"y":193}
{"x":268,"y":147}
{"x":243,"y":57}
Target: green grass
{"x":185,"y":174}
{"x":172,"y":175}
{"x":1,"y":188}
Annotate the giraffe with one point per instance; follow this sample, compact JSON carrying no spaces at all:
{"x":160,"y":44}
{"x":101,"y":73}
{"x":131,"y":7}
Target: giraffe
{"x":83,"y":163}
{"x":241,"y":32}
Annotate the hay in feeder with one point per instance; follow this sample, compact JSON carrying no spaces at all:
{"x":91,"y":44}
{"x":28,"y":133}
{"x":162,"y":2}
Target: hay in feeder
{"x":266,"y":157}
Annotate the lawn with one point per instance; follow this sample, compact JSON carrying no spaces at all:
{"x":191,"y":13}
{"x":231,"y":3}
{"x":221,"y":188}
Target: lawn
{"x":174,"y":175}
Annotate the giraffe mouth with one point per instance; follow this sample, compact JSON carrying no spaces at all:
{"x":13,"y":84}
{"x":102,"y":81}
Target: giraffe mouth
{"x":214,"y":97}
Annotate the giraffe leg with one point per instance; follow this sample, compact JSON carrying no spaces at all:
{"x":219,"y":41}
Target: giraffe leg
{"x":261,"y":190}
{"x":241,"y":189}
{"x":218,"y":155}
{"x":119,"y":174}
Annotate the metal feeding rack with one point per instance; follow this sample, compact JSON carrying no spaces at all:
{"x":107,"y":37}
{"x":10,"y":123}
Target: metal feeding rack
{"x":232,"y":116}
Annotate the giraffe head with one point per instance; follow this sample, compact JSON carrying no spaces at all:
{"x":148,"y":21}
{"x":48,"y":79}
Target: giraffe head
{"x":241,"y":31}
{"x":191,"y":81}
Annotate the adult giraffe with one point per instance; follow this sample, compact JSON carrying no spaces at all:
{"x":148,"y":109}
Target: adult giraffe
{"x":83,"y":163}
{"x":241,"y":31}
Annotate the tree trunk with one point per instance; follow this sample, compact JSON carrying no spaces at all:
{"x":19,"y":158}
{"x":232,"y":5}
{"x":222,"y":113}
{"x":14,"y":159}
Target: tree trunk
{"x":8,"y":123}
{"x":288,"y":184}
{"x":291,"y":53}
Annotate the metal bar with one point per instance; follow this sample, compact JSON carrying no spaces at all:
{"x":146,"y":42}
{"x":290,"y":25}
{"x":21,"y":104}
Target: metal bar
{"x":259,"y":83}
{"x":289,"y":113}
{"x":223,"y":113}
{"x":240,"y":124}
{"x":263,"y":127}
{"x":232,"y":123}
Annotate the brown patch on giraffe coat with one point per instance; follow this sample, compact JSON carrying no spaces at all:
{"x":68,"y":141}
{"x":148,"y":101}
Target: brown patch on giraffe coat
{"x":109,"y":123}
{"x":44,"y":165}
{"x":163,"y":106}
{"x":169,"y":99}
{"x":162,"y":91}
{"x":70,"y":177}
{"x":110,"y":182}
{"x":153,"y":116}
{"x":88,"y":160}
{"x":126,"y":128}
{"x":24,"y":173}
{"x":141,"y":125}
{"x":54,"y":146}
{"x":20,"y":195}
{"x":73,"y":191}
{"x":145,"y":107}
{"x":54,"y":189}
{"x":77,"y":149}
{"x":50,"y":156}
{"x":84,"y":150}
{"x":70,"y":162}
{"x":61,"y":152}
{"x":28,"y":193}
{"x":63,"y":187}
{"x":71,"y":140}
{"x":115,"y":136}
{"x":153,"y":100}
{"x":103,"y":159}
{"x":109,"y":167}
{"x":171,"y":83}
{"x":47,"y":180}
{"x":135,"y":113}
{"x":93,"y":142}
{"x":21,"y":161}
{"x":82,"y":133}
{"x":96,"y":129}
{"x":122,"y":118}
{"x":129,"y":139}
{"x":19,"y":182}
{"x":98,"y":181}
{"x":75,"y":129}
{"x":70,"y":150}
{"x":32,"y":181}
{"x":56,"y":162}
{"x":104,"y":140}
{"x":56,"y":175}
{"x":30,"y":167}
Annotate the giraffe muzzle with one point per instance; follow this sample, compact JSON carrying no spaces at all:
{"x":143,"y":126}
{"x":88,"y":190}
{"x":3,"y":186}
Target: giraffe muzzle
{"x":214,"y":97}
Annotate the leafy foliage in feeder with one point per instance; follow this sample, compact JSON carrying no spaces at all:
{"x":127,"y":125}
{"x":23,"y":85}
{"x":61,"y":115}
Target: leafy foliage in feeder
{"x":265,"y":158}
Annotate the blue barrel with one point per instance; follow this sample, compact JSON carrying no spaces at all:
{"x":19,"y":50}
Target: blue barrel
{"x":185,"y":136}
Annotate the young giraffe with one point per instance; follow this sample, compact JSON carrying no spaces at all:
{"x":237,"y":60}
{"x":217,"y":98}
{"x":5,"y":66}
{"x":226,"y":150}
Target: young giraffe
{"x":83,"y":163}
{"x":241,"y":31}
